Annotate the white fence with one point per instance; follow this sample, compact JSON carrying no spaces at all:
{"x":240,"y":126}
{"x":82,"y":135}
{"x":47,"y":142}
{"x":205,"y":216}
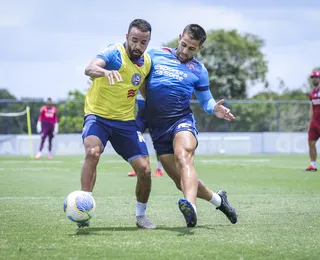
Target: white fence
{"x":209,"y":143}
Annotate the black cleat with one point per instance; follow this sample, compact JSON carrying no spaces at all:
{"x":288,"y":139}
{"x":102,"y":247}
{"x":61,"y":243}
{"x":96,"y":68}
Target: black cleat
{"x":188,"y":212}
{"x":310,"y":169}
{"x":225,"y":207}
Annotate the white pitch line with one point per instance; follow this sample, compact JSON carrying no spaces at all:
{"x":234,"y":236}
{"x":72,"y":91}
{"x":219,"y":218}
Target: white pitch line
{"x":29,"y":162}
{"x":234,"y":161}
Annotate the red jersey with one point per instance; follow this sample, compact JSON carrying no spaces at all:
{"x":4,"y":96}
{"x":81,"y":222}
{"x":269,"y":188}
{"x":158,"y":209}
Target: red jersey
{"x":315,"y":100}
{"x":48,"y":115}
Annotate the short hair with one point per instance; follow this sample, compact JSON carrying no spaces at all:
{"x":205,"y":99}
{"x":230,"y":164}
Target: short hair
{"x":195,"y":32}
{"x":49,"y":99}
{"x":140,"y":24}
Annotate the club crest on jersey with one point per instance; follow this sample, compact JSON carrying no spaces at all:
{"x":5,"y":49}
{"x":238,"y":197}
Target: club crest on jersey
{"x":136,"y":79}
{"x":191,"y":66}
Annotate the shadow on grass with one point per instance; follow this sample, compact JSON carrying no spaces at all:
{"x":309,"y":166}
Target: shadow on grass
{"x":182,"y":231}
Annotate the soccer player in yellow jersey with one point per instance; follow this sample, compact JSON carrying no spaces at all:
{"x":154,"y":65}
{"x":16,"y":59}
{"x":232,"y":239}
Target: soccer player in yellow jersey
{"x":117,"y":73}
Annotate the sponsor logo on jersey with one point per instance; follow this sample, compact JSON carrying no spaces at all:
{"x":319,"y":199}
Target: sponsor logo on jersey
{"x":131,"y":93}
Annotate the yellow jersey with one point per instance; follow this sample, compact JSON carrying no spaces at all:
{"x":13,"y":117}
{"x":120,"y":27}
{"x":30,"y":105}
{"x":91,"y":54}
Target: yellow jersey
{"x":117,"y":102}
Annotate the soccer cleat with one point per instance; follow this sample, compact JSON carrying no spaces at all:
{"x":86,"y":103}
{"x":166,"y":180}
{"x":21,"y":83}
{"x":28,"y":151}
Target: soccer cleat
{"x":38,"y":156}
{"x":132,"y":174}
{"x":83,"y":224}
{"x":225,"y":207}
{"x":188,"y":212}
{"x":311,"y":169}
{"x":144,"y":222}
{"x":158,"y":173}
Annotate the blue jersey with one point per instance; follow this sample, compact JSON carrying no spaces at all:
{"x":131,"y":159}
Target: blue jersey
{"x":170,"y":85}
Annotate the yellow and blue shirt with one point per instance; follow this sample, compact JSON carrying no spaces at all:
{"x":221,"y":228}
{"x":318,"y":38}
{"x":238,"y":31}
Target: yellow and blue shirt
{"x":117,"y":102}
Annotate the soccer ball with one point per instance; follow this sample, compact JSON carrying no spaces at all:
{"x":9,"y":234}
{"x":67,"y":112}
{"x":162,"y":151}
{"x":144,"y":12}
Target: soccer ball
{"x":79,"y":206}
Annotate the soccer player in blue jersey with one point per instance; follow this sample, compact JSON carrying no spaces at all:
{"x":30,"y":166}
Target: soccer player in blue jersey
{"x":117,"y":73}
{"x":175,"y":75}
{"x":143,"y":125}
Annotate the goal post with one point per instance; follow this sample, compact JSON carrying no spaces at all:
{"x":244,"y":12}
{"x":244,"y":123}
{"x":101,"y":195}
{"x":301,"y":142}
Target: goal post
{"x":25,"y":112}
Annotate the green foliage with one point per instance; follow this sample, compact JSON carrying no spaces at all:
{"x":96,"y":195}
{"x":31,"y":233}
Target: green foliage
{"x":233,"y":61}
{"x":71,"y":113}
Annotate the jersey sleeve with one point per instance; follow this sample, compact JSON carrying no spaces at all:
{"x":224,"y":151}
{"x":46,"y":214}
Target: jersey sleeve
{"x":203,"y":83}
{"x":109,"y":55}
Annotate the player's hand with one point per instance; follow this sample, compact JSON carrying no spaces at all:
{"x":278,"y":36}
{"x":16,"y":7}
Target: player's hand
{"x":111,"y":75}
{"x":222,"y":112}
{"x":39,"y":128}
{"x":56,"y":128}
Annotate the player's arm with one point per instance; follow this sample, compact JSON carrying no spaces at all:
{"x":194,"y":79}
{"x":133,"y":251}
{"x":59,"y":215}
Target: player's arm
{"x":207,"y":102}
{"x":310,"y":112}
{"x":56,"y":123}
{"x":39,"y":126}
{"x":98,"y":67}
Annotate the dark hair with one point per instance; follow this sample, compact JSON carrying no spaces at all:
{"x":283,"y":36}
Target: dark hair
{"x":140,"y":24}
{"x":195,"y":32}
{"x":49,"y":99}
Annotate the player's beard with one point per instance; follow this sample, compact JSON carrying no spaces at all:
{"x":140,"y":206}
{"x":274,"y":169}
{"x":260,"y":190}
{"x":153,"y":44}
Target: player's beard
{"x":135,"y":54}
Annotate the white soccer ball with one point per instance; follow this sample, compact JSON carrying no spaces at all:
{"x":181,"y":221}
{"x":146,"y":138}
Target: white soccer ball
{"x":79,"y":206}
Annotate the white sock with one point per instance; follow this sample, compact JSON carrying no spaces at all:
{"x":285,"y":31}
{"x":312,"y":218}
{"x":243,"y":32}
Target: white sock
{"x":314,"y":164}
{"x":194,"y":207}
{"x":159,"y":165}
{"x":141,"y":208}
{"x":216,"y":199}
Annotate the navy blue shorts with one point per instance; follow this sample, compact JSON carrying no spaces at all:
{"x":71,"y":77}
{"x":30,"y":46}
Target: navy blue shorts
{"x":163,"y":135}
{"x":141,"y":122}
{"x":125,"y":137}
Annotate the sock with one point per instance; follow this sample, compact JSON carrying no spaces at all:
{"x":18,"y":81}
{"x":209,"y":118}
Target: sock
{"x":313,"y":164}
{"x":194,"y":207}
{"x":141,"y":208}
{"x":159,"y":165}
{"x":216,"y":199}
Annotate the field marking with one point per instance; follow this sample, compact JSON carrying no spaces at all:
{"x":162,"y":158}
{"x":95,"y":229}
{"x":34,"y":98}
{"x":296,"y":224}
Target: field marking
{"x":29,"y":162}
{"x":36,"y":169}
{"x":234,"y":161}
{"x":61,"y":197}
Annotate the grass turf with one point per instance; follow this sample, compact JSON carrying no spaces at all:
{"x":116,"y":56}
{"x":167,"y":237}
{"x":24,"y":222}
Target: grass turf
{"x":277,"y":202}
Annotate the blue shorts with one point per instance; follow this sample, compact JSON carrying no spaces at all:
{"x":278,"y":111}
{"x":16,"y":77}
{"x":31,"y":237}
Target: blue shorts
{"x":141,"y":122}
{"x":163,"y":136}
{"x":125,"y":137}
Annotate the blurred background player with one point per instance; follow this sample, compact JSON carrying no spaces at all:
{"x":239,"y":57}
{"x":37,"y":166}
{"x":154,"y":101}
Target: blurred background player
{"x":314,"y":116}
{"x":143,"y":125}
{"x":47,"y":125}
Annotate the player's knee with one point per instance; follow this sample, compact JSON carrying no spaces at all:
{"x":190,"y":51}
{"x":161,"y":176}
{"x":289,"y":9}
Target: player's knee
{"x":144,"y":170}
{"x":93,"y":154}
{"x":182,"y":159}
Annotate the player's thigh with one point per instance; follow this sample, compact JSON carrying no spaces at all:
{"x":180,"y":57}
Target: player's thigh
{"x":313,"y":133}
{"x":94,"y":135}
{"x":129,"y":143}
{"x":185,"y":135}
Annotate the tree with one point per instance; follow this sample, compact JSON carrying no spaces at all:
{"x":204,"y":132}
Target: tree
{"x":233,"y":60}
{"x":71,"y":113}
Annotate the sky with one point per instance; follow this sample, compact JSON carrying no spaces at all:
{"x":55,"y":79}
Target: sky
{"x":46,"y":45}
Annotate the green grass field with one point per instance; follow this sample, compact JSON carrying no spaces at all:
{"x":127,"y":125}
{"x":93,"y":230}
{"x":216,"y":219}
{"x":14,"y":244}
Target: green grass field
{"x":278,"y":206}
